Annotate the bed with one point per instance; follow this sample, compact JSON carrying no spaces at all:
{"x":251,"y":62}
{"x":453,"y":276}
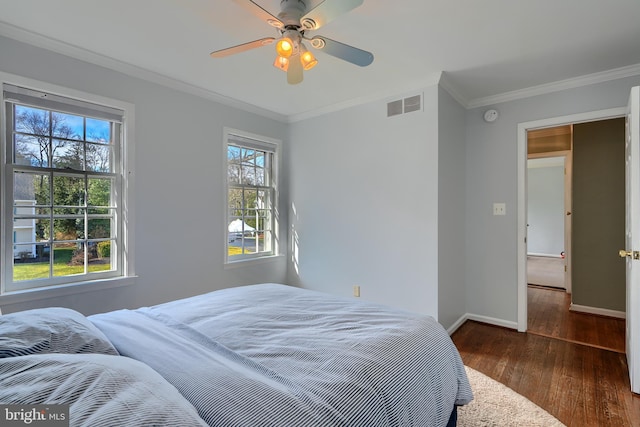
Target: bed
{"x":261,"y":355}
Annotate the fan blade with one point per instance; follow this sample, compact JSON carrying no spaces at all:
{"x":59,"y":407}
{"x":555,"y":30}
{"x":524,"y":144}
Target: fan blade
{"x":343,"y":51}
{"x":242,"y":47}
{"x":295,"y":71}
{"x":261,"y":13}
{"x":327,"y":11}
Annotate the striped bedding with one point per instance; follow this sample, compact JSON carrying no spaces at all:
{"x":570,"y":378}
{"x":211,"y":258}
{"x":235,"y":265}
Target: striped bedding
{"x":274,"y":355}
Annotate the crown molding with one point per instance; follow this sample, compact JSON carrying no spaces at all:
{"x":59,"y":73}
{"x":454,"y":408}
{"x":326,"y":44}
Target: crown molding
{"x":85,"y":55}
{"x":452,"y":90}
{"x":586,"y":80}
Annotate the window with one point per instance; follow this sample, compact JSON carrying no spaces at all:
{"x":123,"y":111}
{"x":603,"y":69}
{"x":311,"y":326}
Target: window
{"x":63,"y":190}
{"x":251,"y":196}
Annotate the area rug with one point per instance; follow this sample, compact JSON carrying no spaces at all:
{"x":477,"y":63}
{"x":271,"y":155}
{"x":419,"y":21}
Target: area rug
{"x":495,"y":404}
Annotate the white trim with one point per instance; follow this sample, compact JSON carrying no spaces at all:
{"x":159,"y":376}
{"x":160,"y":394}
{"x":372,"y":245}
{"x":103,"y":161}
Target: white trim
{"x":586,"y":80}
{"x":456,"y":325}
{"x":599,"y":311}
{"x":227,"y":132}
{"x":127,"y":263}
{"x":247,"y":262}
{"x":482,"y":319}
{"x":522,"y":192}
{"x":452,"y":90}
{"x":543,"y":255}
{"x":492,"y":321}
{"x":48,"y":292}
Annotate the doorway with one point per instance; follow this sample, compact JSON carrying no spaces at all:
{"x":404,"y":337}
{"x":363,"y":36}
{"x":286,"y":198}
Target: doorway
{"x":523,"y":129}
{"x":598,"y":150}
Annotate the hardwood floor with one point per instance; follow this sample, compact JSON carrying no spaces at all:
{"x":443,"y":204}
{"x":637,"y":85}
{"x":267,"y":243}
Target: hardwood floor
{"x":581,"y":384}
{"x":549,"y":315}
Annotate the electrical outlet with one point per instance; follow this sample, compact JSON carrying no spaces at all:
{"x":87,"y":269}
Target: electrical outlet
{"x":356,"y":291}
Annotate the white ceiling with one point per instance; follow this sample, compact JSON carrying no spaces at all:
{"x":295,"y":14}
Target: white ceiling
{"x":486,"y":49}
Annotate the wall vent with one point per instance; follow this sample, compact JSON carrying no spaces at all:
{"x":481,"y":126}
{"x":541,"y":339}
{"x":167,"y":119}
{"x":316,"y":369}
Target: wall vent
{"x":412,"y":104}
{"x":403,"y":106}
{"x":394,"y":108}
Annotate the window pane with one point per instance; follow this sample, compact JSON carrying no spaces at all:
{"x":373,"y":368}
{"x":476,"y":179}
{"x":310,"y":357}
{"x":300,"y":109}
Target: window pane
{"x":235,"y":203}
{"x":248,"y":176}
{"x":99,"y":228}
{"x":29,"y":186}
{"x":31,"y":151}
{"x":68,"y":154}
{"x":260,"y":171}
{"x":99,"y":158}
{"x":98,"y":131}
{"x":43,"y":230}
{"x":68,"y":190}
{"x":67,"y":126}
{"x":30,"y":262}
{"x":68,"y":258}
{"x":69,"y":228}
{"x":99,"y":192}
{"x":31,"y":120}
{"x":233,"y":169}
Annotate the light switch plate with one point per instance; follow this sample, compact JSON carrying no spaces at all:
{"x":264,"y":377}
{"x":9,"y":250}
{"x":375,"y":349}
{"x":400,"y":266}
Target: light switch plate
{"x":499,"y":208}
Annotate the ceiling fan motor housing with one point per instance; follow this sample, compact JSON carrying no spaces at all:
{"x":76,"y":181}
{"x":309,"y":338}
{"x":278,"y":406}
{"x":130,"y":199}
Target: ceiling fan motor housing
{"x":291,"y":11}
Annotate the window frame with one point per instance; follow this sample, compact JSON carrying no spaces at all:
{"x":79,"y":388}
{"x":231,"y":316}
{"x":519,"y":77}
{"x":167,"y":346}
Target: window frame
{"x":237,"y":137}
{"x":124,"y":274}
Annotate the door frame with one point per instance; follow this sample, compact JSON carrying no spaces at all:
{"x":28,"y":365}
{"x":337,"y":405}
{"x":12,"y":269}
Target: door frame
{"x":522,"y":191}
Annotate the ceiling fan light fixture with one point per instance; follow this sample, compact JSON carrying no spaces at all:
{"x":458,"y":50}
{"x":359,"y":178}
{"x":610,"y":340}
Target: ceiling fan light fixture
{"x":284,"y":47}
{"x":307,"y":58}
{"x":281,"y":63}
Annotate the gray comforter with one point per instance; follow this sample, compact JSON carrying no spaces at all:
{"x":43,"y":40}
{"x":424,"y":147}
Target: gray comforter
{"x":274,"y":355}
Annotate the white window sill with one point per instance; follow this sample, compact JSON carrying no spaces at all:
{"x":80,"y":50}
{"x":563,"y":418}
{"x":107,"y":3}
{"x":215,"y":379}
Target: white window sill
{"x":26,"y":295}
{"x":251,"y":261}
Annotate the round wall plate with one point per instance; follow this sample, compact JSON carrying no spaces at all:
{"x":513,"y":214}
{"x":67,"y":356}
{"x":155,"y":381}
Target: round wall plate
{"x":490,"y":116}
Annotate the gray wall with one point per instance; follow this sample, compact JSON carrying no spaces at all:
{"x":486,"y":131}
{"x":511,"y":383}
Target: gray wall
{"x":545,"y":210}
{"x":179,"y":231}
{"x":491,"y":175}
{"x":363,"y":203}
{"x":451,"y":210}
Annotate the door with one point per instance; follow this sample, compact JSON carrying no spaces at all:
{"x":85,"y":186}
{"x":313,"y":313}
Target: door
{"x":632,"y":251}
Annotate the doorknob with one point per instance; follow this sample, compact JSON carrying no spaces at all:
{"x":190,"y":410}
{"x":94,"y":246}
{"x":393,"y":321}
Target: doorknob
{"x":623,"y":254}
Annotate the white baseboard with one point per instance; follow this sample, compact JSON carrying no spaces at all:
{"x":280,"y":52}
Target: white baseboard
{"x":482,"y":319}
{"x":598,"y":311}
{"x":544,"y":255}
{"x":457,"y":324}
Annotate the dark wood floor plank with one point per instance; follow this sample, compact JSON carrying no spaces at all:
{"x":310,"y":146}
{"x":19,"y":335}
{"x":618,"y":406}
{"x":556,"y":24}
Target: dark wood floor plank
{"x":579,"y":384}
{"x":549,"y":315}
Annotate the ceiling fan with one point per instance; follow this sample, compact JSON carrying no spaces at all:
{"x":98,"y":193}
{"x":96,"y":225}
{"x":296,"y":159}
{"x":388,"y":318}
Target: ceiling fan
{"x":292,"y":23}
